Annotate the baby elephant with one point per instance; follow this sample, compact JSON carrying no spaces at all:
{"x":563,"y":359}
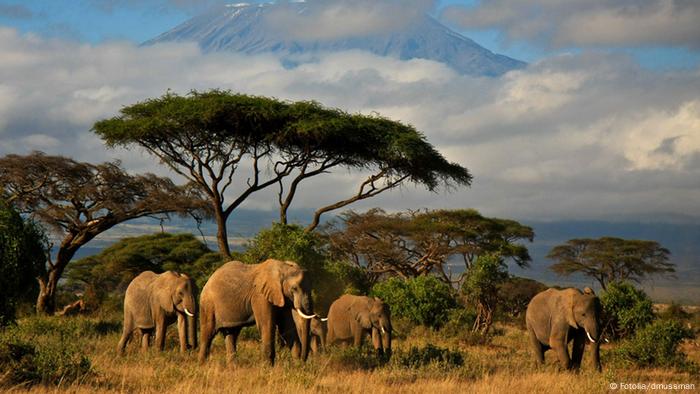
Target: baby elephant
{"x":556,"y":317}
{"x":352,"y":317}
{"x":154,"y":301}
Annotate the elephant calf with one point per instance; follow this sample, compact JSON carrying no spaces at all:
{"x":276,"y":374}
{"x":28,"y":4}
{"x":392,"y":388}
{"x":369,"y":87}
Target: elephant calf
{"x":154,"y":301}
{"x":556,"y":317}
{"x":351,"y":317}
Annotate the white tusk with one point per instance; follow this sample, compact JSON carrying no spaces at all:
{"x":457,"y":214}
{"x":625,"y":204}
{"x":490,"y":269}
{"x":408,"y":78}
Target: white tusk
{"x":304,"y":315}
{"x":324,"y":319}
{"x":188,"y":313}
{"x":589,"y":337}
{"x":382,"y":327}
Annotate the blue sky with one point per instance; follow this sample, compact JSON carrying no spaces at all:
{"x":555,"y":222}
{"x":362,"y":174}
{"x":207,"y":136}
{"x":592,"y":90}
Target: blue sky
{"x":96,"y":21}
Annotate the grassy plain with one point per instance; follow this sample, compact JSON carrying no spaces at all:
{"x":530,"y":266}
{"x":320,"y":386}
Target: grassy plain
{"x":501,"y":366}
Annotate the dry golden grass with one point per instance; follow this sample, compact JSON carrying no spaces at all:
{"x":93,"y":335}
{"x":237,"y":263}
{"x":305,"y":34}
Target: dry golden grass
{"x":503,"y":366}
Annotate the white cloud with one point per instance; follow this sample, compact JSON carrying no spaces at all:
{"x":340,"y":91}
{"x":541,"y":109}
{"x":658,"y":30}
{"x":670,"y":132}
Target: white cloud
{"x":586,"y":23}
{"x":585,"y":136}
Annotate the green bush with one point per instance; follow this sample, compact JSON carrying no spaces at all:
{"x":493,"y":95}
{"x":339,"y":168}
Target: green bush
{"x":656,"y":345}
{"x":459,"y":321}
{"x":626,"y":309}
{"x":356,"y":358}
{"x":46,"y":360}
{"x":430,"y":355}
{"x":423,"y":300}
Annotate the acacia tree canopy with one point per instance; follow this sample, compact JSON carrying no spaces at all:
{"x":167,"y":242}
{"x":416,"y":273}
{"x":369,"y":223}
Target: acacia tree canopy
{"x":411,"y":244}
{"x":610,"y":259}
{"x":236,"y":144}
{"x":78,"y":201}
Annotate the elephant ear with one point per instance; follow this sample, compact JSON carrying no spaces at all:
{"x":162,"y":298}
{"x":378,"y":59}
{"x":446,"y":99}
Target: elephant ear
{"x":268,"y":281}
{"x":569,"y":305}
{"x":588,"y":291}
{"x":362,"y":313}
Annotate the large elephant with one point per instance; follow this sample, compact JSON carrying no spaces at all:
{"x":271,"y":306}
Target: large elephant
{"x":556,"y":317}
{"x":239,"y":295}
{"x":351,"y":317}
{"x":153,"y":302}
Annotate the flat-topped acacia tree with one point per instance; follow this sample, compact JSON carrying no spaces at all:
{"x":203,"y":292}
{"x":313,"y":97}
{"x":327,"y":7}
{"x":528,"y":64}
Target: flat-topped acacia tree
{"x":79,"y":201}
{"x":233,"y":145}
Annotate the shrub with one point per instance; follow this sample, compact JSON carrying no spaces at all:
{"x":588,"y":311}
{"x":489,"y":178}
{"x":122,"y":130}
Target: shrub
{"x":423,"y":300}
{"x":656,"y":345}
{"x":363,"y":358}
{"x":515,"y":294}
{"x":626,"y":309}
{"x":459,"y":321}
{"x":32,"y":361}
{"x":430,"y":355}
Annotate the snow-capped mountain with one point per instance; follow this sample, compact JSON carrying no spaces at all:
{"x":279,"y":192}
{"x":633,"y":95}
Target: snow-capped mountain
{"x":247,"y":28}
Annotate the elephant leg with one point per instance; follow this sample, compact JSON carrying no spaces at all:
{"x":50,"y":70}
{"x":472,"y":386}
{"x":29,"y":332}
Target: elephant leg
{"x":145,"y":335}
{"x":126,"y":335}
{"x":596,"y":356}
{"x":231,"y":339}
{"x":205,"y":339}
{"x":377,"y":342}
{"x":577,"y":351}
{"x":357,"y":335}
{"x":160,"y":333}
{"x":537,"y":347}
{"x":182,"y":332}
{"x":267,"y":334}
{"x":315,"y":346}
{"x":562,"y":351}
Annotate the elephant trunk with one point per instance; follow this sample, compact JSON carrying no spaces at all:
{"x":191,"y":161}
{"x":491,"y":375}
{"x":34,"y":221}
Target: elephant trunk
{"x":592,"y":331}
{"x":386,"y":341}
{"x":192,"y":331}
{"x":302,"y":304}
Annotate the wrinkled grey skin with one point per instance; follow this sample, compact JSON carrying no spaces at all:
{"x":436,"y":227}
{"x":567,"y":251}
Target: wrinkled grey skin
{"x":239,"y":295}
{"x":556,"y":317}
{"x":154,"y":301}
{"x":351,"y":317}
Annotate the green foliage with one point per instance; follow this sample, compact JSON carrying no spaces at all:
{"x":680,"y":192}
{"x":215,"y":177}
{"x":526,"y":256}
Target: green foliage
{"x":626,"y":309}
{"x":430,"y":355}
{"x":459,"y":322}
{"x":481,"y":287}
{"x":423,"y":300}
{"x":22,"y":259}
{"x":610,"y":259}
{"x":656,"y":345}
{"x":47,"y":350}
{"x":105,"y":276}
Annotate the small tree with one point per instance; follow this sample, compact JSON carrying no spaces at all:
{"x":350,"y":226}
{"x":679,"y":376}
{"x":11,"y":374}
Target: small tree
{"x":412,"y":244}
{"x":610,"y":259}
{"x":481,"y":288}
{"x":516,"y":292}
{"x":22,"y":257}
{"x":79,"y":201}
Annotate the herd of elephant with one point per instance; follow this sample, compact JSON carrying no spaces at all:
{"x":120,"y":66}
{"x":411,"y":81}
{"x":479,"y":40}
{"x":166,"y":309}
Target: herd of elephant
{"x":276,"y":297}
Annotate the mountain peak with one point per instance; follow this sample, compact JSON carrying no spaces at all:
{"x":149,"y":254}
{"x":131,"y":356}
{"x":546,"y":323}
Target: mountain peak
{"x":258,"y":28}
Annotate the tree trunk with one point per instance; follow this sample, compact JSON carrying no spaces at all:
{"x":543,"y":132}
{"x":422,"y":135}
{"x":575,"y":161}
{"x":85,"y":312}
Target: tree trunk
{"x":222,"y":233}
{"x":46,"y":301}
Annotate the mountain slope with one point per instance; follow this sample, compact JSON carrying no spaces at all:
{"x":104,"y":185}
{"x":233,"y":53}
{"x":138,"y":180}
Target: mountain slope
{"x":246,"y":28}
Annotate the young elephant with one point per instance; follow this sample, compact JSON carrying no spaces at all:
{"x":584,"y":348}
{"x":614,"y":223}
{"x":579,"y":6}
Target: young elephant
{"x":154,"y":301}
{"x":239,"y":295}
{"x":352,"y":317}
{"x":289,"y":327}
{"x":556,"y":317}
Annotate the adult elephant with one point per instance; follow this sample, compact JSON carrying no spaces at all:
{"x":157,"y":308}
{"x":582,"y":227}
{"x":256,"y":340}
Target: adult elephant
{"x":351,"y":317}
{"x":153,"y":302}
{"x":239,"y":295}
{"x":556,"y":317}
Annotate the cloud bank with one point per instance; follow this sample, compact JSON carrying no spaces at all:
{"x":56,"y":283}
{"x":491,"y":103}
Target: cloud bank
{"x":591,"y":23}
{"x":589,"y":136}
